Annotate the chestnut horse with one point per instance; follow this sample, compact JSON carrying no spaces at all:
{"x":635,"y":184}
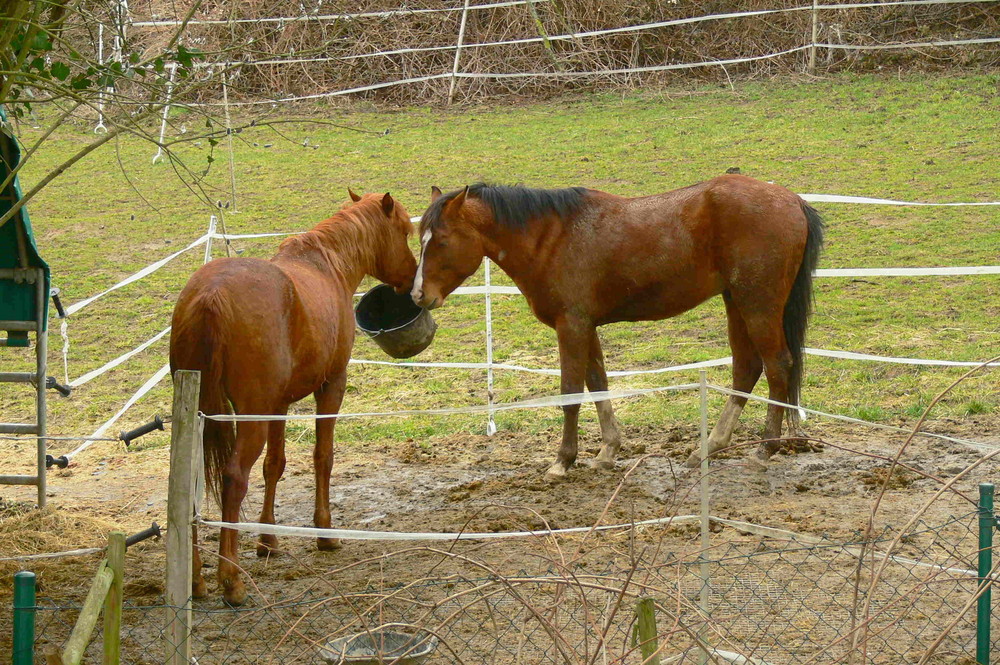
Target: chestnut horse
{"x":583,"y":258}
{"x":265,"y":334}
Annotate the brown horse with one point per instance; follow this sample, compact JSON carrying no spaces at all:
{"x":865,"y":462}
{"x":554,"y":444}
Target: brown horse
{"x":583,"y":258}
{"x":265,"y":334}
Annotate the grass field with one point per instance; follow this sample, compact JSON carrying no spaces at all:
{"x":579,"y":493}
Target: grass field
{"x":915,"y":138}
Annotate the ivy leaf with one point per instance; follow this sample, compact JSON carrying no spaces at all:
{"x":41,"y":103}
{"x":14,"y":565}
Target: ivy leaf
{"x":60,"y":70}
{"x":41,"y":42}
{"x":81,"y":82}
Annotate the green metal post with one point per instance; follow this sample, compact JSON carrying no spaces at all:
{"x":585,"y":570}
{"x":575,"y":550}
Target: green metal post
{"x":984,"y":606}
{"x":24,"y":618}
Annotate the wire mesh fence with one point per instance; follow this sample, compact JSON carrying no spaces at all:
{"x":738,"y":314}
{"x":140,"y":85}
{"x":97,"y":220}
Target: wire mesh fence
{"x":769,"y":600}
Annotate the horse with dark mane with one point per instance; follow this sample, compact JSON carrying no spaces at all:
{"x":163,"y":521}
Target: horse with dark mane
{"x":265,"y":334}
{"x":584,"y":258}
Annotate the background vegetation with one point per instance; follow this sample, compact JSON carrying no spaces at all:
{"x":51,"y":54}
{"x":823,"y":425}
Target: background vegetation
{"x":914,"y":138}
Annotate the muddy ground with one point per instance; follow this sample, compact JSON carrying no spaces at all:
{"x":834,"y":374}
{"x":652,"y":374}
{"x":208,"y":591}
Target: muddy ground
{"x":479,"y":483}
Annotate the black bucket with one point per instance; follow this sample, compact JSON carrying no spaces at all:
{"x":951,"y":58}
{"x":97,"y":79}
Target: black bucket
{"x":395,"y":322}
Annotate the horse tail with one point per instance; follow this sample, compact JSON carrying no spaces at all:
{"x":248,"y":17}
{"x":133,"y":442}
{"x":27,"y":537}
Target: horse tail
{"x":197,"y":342}
{"x":798,"y":307}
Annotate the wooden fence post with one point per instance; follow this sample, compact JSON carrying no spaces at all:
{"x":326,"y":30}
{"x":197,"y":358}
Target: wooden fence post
{"x":78,"y":639}
{"x":181,"y":490}
{"x":113,"y":603}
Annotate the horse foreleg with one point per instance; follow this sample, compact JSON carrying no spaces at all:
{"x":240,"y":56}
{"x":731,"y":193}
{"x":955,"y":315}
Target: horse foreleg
{"x":574,"y":347}
{"x":328,"y":400}
{"x":250,"y":439}
{"x":747,"y":367}
{"x":597,"y":381}
{"x":274,"y":466}
{"x":198,"y":587}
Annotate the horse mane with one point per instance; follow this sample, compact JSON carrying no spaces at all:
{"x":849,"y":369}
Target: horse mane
{"x":513,"y":206}
{"x":350,"y":239}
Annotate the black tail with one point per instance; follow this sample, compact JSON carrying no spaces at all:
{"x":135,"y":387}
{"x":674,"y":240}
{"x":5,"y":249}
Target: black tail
{"x":800,"y":300}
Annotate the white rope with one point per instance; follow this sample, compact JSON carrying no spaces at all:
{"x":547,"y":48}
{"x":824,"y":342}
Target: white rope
{"x":148,"y":270}
{"x":146,"y":387}
{"x":53,"y":555}
{"x":119,"y":360}
{"x":281,"y":20}
{"x":879,"y":47}
{"x":536,"y":403}
{"x":845,"y":355}
{"x":355,"y":534}
{"x":836,"y":198}
{"x":561,"y":37}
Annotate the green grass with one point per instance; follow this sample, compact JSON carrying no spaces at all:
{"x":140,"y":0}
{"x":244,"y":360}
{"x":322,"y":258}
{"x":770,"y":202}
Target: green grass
{"x":921,"y":138}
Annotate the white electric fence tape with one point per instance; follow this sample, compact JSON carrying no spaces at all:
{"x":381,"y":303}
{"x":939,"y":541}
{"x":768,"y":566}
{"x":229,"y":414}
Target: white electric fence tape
{"x":146,"y":387}
{"x":749,"y":527}
{"x":119,"y":360}
{"x":354,"y":534}
{"x":536,"y":403}
{"x":151,"y":268}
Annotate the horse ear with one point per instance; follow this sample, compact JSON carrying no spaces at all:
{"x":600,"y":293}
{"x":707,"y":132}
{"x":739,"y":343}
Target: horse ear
{"x":435,"y":193}
{"x":459,"y":199}
{"x":387,"y":204}
{"x":354,"y":197}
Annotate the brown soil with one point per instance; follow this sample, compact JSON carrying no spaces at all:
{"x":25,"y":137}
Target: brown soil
{"x":483,"y":484}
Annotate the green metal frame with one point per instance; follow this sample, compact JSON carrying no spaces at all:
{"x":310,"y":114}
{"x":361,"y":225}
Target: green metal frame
{"x":24,"y":301}
{"x":984,"y":604}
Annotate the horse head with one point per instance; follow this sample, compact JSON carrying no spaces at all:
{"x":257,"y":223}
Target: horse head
{"x":394,"y":263}
{"x":451,"y":247}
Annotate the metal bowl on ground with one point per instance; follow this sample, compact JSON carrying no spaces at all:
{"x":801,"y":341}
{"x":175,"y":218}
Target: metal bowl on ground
{"x":395,"y":322}
{"x":381,"y":646}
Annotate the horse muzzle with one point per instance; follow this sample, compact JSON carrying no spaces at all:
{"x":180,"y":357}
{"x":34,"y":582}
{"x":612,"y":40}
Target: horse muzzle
{"x":422,"y":299}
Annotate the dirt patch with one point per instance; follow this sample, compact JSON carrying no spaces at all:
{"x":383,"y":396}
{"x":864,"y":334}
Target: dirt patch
{"x":493,"y":484}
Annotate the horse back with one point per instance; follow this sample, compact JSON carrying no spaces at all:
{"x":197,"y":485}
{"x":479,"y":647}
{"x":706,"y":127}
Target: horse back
{"x":271,"y":331}
{"x":657,"y":256}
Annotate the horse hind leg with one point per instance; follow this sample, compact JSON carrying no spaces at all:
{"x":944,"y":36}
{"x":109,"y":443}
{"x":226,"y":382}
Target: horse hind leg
{"x":769,"y":338}
{"x":747,"y":368}
{"x":274,"y":467}
{"x":597,"y":381}
{"x":328,"y":401}
{"x":250,"y":440}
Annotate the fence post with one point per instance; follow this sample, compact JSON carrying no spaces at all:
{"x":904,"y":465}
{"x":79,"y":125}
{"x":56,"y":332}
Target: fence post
{"x":646,"y":627}
{"x":984,"y":605}
{"x":24,"y":618}
{"x":815,"y":35}
{"x":181,"y":490}
{"x":458,"y":53}
{"x":491,"y":426}
{"x":113,"y":602}
{"x":705,"y":517}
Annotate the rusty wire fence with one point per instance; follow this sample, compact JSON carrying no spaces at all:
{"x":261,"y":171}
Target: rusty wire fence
{"x":769,"y":600}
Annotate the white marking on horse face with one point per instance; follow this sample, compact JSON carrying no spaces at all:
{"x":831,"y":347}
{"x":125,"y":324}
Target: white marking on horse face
{"x":418,"y":281}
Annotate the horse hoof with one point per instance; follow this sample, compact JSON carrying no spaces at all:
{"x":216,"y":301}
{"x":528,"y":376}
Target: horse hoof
{"x":267,"y":549}
{"x":328,"y":544}
{"x":757,"y":463}
{"x":556,"y":473}
{"x":199,"y":589}
{"x":601,"y":464}
{"x":693,"y":461}
{"x":235,"y":594}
